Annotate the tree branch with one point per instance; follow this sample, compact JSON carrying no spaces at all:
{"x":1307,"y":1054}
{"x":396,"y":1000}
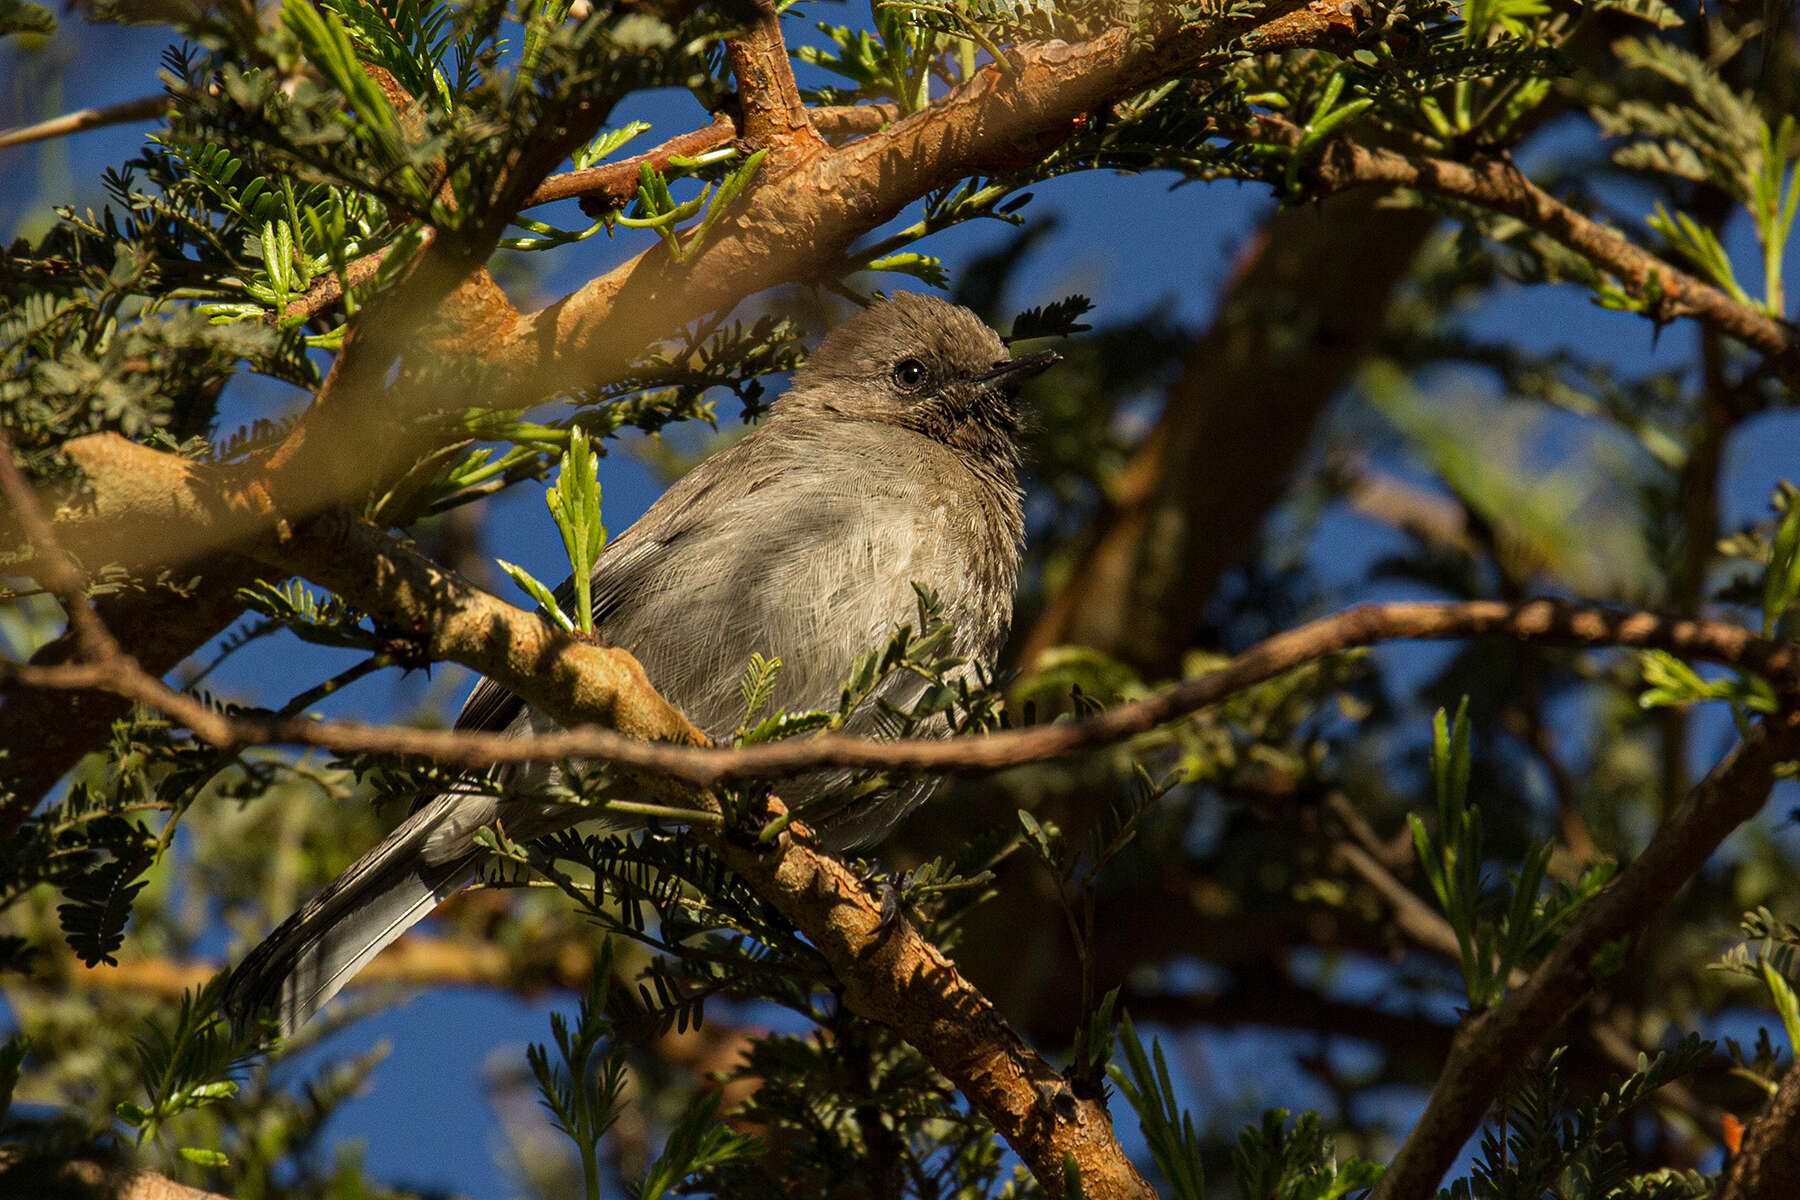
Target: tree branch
{"x":1492,"y":1043}
{"x":995,"y":121}
{"x":773,"y":113}
{"x":898,"y":978}
{"x":456,"y":621}
{"x":44,"y":733}
{"x":1497,"y":184}
{"x":612,"y":185}
{"x":893,"y":975}
{"x":1767,"y":1163}
{"x":144,"y":108}
{"x":86,"y":1176}
{"x":810,"y":214}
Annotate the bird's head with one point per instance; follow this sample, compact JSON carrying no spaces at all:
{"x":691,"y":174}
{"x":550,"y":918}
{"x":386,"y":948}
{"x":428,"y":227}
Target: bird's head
{"x":922,"y":364}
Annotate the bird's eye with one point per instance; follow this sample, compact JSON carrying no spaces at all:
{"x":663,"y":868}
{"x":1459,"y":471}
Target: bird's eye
{"x":909,"y":374}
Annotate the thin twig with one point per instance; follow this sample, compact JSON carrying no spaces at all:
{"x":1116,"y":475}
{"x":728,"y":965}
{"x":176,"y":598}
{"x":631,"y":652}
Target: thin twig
{"x":1543,"y":622}
{"x":144,"y":108}
{"x":612,"y":185}
{"x":1498,"y":185}
{"x":53,"y":567}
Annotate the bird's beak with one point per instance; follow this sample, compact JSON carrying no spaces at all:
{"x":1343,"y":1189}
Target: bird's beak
{"x":1015,"y":371}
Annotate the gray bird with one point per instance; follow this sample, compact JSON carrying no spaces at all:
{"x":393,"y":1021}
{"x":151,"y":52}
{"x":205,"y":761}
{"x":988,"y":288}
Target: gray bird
{"x":891,"y":459}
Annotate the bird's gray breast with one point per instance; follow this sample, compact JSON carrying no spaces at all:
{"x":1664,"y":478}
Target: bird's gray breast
{"x":803,"y":544}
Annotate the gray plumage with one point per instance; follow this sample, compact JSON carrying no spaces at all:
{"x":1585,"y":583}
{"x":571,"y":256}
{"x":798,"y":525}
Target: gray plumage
{"x":891,"y":459}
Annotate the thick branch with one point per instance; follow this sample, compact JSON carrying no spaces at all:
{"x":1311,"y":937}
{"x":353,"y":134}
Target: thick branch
{"x":773,"y":113}
{"x":91,"y":1176}
{"x":1767,"y":1163}
{"x":793,"y":221}
{"x":1494,"y":1042}
{"x":450,"y":618}
{"x":996,"y":121}
{"x":893,"y":975}
{"x":614,"y":185}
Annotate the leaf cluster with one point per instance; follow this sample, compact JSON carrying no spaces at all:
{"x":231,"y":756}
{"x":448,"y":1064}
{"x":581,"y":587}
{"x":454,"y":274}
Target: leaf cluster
{"x":1545,"y":1142}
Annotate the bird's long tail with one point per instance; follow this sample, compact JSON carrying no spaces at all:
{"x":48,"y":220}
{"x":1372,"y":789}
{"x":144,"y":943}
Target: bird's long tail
{"x":315,"y":952}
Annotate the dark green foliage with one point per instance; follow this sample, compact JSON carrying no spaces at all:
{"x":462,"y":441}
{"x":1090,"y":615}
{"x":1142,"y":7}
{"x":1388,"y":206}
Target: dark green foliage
{"x":97,"y":903}
{"x":1060,"y":318}
{"x":1545,"y":1142}
{"x":1168,"y":1128}
{"x":1272,"y":1162}
{"x":12,"y":1056}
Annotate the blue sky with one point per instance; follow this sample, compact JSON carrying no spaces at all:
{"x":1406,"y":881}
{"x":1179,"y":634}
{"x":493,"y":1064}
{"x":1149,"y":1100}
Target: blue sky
{"x":1132,"y":243}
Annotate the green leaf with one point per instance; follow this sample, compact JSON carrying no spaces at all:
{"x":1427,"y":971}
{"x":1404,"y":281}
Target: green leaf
{"x":730,"y":188}
{"x":97,"y":903}
{"x":758,"y":685}
{"x":924,"y":267}
{"x":1656,"y":12}
{"x":1781,"y":582}
{"x":609,"y":140}
{"x":697,"y":1142}
{"x":1169,"y":1131}
{"x":1787,"y":1004}
{"x":1671,"y":682}
{"x":574,"y":504}
{"x":584,"y":1087}
{"x":1700,"y":246}
{"x":202,"y":1156}
{"x":537,"y":591}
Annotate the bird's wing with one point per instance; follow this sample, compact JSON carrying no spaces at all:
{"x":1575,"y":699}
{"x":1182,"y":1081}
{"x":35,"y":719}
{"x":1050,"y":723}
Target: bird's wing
{"x":629,"y":559}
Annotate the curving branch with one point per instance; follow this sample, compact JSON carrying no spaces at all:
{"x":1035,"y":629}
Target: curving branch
{"x":894,"y":975}
{"x":575,"y":682}
{"x":1497,"y":184}
{"x":477,"y":342}
{"x":1491,"y":1043}
{"x":996,"y":121}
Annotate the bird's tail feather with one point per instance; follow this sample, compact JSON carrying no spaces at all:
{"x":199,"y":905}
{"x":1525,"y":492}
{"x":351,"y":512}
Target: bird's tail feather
{"x":315,"y":952}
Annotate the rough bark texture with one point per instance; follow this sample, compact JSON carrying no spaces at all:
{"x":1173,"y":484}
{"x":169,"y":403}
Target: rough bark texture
{"x":55,"y":1176}
{"x":1767,"y":1163}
